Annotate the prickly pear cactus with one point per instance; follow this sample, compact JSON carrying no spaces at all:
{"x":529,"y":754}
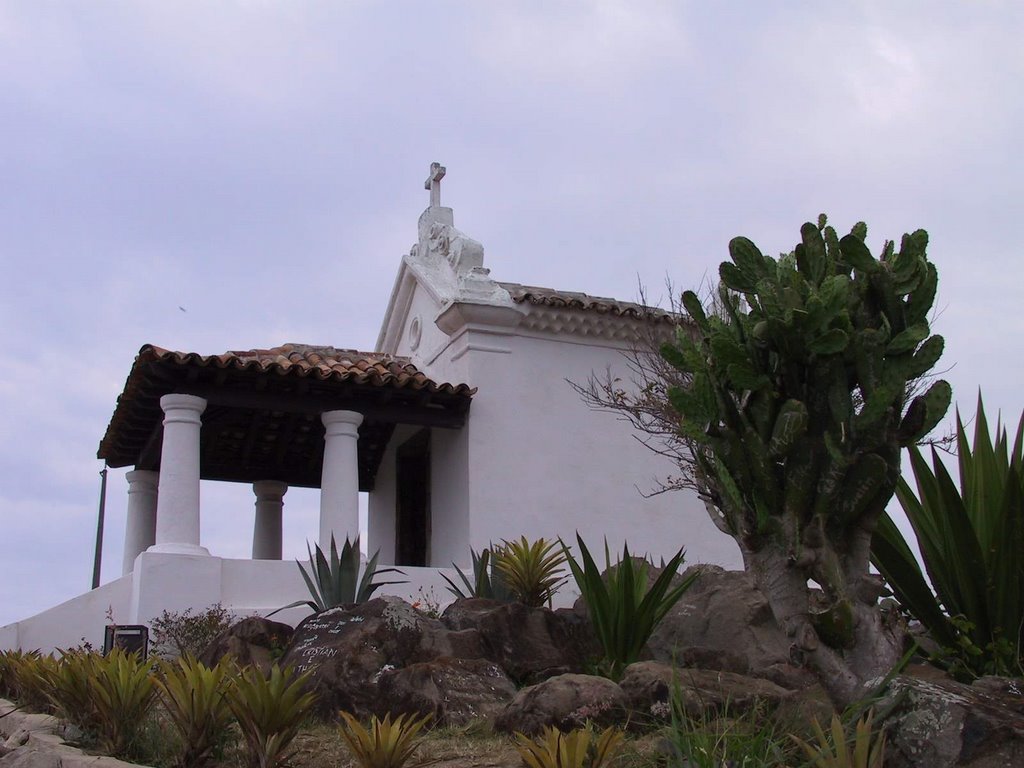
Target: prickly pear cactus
{"x":804,"y":389}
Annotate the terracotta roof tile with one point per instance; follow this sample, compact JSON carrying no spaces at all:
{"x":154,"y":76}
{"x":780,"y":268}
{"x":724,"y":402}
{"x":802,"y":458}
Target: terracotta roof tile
{"x":323,"y":363}
{"x":530,"y":294}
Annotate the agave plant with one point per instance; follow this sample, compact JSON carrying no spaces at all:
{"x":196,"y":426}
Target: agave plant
{"x":336,"y":581}
{"x":624,"y":611}
{"x":195,"y":698}
{"x":487,"y":581}
{"x":834,"y":750}
{"x":270,"y":712}
{"x":575,"y":749}
{"x":972,"y":542}
{"x":532,"y":570}
{"x":386,"y":743}
{"x":122,"y":693}
{"x":71,"y":689}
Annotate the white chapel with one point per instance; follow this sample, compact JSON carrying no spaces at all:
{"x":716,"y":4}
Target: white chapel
{"x":462,"y":428}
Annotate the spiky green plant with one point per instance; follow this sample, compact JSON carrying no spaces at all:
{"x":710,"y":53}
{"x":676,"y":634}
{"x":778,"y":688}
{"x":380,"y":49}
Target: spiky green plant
{"x":386,"y":743}
{"x":834,"y":750}
{"x":9,"y":663}
{"x":337,"y":581}
{"x":33,"y":676}
{"x":972,"y":542}
{"x":532,"y":571}
{"x":270,"y":712}
{"x":487,"y":581}
{"x":122,"y":693}
{"x":577,"y":748}
{"x":195,"y":699}
{"x":623,"y":610}
{"x":71,"y":690}
{"x":800,"y":397}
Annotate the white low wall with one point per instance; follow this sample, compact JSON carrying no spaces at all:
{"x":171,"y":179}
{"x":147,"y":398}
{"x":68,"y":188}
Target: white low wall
{"x":177,"y":583}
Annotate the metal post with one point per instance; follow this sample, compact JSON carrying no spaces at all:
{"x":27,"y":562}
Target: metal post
{"x":98,"y":557}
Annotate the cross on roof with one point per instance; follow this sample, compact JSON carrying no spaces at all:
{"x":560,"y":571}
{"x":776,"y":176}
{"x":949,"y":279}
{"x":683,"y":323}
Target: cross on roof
{"x":433,"y":183}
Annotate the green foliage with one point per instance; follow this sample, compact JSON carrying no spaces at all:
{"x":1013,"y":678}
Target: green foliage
{"x":576,"y":749}
{"x":10,"y":661}
{"x":713,"y":739}
{"x":798,"y":403}
{"x":71,"y":690}
{"x":33,"y":676}
{"x":195,"y":698}
{"x":269,"y":712}
{"x":122,"y":693}
{"x":835,"y":750}
{"x":532,"y":572}
{"x":487,"y":581}
{"x":972,"y":542}
{"x":386,"y":743}
{"x":623,"y":610}
{"x":800,"y":397}
{"x":175,"y":634}
{"x":336,"y":581}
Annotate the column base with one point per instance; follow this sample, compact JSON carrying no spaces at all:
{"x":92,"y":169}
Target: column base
{"x":179,"y":549}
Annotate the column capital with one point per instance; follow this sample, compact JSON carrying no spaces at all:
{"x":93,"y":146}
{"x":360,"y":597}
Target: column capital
{"x":341,"y":422}
{"x":271,"y":490}
{"x":178,"y":402}
{"x":142,"y":478}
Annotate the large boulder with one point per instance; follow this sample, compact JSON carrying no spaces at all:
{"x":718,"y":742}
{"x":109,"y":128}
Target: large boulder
{"x":347,"y":649}
{"x":454,"y":691}
{"x":941,"y":723}
{"x":565,"y":702}
{"x":724,"y":617}
{"x":530,"y":644}
{"x":254,"y":641}
{"x":650,"y":686}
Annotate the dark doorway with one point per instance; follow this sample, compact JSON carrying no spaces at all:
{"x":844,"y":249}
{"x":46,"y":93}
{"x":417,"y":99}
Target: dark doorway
{"x":412,"y":513}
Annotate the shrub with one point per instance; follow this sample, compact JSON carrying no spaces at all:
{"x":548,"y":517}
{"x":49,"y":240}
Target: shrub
{"x":269,"y":712}
{"x":532,"y":571}
{"x":195,"y":698}
{"x":71,"y":690}
{"x":336,"y":581}
{"x":386,"y":743}
{"x":176,"y":634}
{"x":623,"y":610}
{"x":837,"y":751}
{"x":122,"y":693}
{"x":487,"y":580}
{"x":972,"y":544}
{"x":716,"y":739}
{"x":575,"y":749}
{"x":33,"y":680}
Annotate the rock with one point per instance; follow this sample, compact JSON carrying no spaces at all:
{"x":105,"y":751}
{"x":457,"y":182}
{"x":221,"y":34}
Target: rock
{"x":649,"y":687}
{"x":31,"y":758}
{"x":17,"y":739}
{"x":724,"y":612}
{"x":454,"y":691}
{"x":347,"y":649}
{"x":530,"y":644}
{"x":942,"y":724}
{"x":566,"y":702}
{"x":254,"y":641}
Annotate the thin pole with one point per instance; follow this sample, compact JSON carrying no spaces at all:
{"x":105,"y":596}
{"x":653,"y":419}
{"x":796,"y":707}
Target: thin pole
{"x":98,"y":557}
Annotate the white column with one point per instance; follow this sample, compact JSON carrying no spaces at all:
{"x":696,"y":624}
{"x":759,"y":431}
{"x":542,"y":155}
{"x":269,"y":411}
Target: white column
{"x":177,"y":507}
{"x":140,"y":526}
{"x":339,"y":482}
{"x":266,"y":535}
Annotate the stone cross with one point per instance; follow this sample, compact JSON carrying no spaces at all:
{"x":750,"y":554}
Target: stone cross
{"x":433,"y":183}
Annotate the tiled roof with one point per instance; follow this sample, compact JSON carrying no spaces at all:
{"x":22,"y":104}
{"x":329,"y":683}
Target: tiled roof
{"x":322,"y":363}
{"x":529,"y":294}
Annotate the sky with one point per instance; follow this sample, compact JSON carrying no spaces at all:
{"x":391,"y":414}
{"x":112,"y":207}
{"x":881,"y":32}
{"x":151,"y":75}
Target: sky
{"x":214,"y":176}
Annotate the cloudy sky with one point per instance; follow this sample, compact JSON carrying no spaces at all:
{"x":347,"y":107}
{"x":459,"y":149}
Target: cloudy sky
{"x":213,"y":176}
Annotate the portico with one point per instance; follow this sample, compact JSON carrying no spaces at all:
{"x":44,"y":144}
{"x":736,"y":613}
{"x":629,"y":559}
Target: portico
{"x":289,"y":415}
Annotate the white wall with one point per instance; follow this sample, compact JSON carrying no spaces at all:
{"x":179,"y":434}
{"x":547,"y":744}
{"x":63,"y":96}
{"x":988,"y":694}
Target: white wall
{"x":179,"y":582}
